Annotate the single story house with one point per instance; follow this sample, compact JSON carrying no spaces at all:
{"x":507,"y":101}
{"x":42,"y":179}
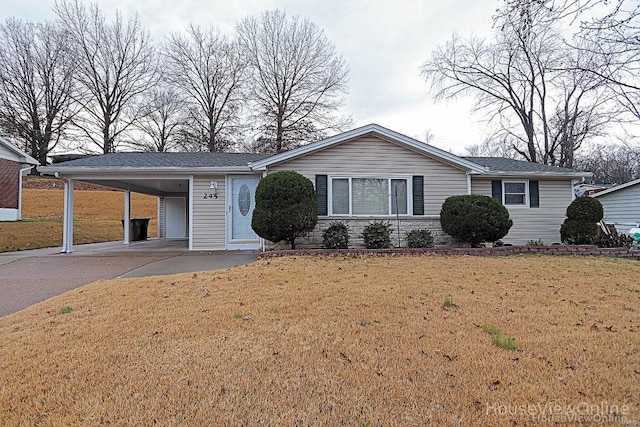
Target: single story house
{"x":368,"y":173}
{"x":621,"y":205}
{"x":14,"y":163}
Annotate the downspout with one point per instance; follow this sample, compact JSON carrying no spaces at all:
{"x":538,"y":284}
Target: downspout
{"x":468,"y":183}
{"x":20,"y":189}
{"x":573,"y":189}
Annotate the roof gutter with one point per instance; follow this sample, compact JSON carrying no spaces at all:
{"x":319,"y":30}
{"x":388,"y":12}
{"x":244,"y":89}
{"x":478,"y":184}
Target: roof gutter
{"x":500,"y":174}
{"x":118,"y":171}
{"x":22,"y":170}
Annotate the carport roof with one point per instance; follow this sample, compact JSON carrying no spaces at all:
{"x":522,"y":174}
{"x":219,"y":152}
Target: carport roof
{"x":159,"y":160}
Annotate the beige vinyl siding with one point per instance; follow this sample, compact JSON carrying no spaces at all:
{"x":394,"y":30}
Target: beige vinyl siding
{"x":209,"y":219}
{"x":622,"y":206}
{"x":373,"y":157}
{"x":541,"y":223}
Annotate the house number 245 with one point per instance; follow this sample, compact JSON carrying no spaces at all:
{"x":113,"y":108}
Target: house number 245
{"x":210,"y":196}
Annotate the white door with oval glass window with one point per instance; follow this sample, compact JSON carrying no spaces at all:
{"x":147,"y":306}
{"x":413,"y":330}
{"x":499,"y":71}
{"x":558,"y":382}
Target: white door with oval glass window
{"x":240,"y":204}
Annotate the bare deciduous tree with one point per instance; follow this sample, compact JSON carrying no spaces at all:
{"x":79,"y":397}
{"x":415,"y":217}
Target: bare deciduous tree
{"x":162,"y":116}
{"x":614,"y":42}
{"x":611,"y":163}
{"x":115,"y":63}
{"x":491,"y":147}
{"x":524,"y":81}
{"x":36,"y":85}
{"x":297,"y":80}
{"x":206,"y":67}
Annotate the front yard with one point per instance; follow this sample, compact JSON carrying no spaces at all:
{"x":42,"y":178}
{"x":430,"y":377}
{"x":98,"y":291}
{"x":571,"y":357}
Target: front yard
{"x":97,"y":217}
{"x":335,"y":341}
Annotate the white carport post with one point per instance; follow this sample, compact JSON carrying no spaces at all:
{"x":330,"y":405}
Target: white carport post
{"x":127,"y":216}
{"x":67,"y":223}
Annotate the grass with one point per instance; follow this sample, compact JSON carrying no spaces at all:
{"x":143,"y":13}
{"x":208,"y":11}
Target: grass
{"x":65,"y":309}
{"x":355,"y":345}
{"x":448,"y":303}
{"x":491,"y":329}
{"x":504,"y":342}
{"x":498,"y":339}
{"x":97,"y":218}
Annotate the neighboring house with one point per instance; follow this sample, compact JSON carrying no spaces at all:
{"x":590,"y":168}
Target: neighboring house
{"x":590,"y":189}
{"x":13,"y":164}
{"x":369,"y":173}
{"x":621,"y":205}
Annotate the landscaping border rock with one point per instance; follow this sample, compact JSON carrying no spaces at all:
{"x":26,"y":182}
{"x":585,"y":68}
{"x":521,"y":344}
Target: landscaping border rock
{"x":581,"y":250}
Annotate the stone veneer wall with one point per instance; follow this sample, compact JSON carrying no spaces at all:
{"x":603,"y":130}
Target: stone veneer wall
{"x":356,"y":226}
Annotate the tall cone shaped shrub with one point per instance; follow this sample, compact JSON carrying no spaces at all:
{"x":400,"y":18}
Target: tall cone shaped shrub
{"x":581,"y":225}
{"x":285,"y":207}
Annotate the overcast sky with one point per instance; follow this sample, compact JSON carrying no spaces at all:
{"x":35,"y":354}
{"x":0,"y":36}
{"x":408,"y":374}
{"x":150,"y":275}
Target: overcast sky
{"x":384,"y":42}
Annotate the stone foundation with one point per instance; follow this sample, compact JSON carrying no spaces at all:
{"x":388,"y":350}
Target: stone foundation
{"x":356,"y":226}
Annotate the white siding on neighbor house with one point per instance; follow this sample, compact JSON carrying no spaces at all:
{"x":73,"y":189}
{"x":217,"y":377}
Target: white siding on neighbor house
{"x":209,"y":214}
{"x":622,"y":206}
{"x":541,"y":223}
{"x":373,"y":157}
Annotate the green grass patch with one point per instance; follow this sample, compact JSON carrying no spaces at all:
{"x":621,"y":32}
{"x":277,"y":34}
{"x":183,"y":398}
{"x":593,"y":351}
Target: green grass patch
{"x":498,"y":339}
{"x":504,"y":342}
{"x":65,"y":309}
{"x":491,"y":329}
{"x":448,"y":303}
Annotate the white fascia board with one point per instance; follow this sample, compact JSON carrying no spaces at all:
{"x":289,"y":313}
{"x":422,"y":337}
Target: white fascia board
{"x":421,"y":147}
{"x":616,"y":188}
{"x":516,"y":174}
{"x":24,"y":157}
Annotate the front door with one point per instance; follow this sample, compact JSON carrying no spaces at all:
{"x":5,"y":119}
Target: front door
{"x":240,"y":204}
{"x":175,"y":216}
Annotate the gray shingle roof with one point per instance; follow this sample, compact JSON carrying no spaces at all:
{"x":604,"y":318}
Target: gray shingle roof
{"x":159,"y":160}
{"x":502,"y":164}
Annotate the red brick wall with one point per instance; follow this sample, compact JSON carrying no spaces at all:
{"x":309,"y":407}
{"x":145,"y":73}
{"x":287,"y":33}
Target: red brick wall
{"x":9,"y":183}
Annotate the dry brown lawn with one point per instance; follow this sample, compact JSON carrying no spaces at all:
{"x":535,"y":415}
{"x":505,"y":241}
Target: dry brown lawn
{"x":97,"y":218}
{"x":334,"y":341}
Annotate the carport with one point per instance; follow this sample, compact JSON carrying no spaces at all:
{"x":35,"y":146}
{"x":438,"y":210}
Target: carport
{"x":169,"y":176}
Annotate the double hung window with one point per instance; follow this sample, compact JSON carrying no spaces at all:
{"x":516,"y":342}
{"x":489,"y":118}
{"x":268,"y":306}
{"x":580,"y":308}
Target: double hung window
{"x":369,"y":196}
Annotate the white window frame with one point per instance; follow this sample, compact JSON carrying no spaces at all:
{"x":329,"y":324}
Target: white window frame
{"x":406,"y":178}
{"x":526,"y":192}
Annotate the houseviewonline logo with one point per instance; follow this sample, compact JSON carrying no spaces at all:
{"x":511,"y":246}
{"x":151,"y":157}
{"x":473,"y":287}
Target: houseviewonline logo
{"x":579,"y":412}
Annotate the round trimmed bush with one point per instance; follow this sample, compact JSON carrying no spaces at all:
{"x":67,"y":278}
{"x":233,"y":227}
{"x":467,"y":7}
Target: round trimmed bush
{"x":419,"y":238}
{"x":585,"y":209}
{"x":475,"y":219}
{"x":574,"y":232}
{"x":285,"y":207}
{"x":377,"y":235}
{"x":336,"y":236}
{"x":580,"y":227}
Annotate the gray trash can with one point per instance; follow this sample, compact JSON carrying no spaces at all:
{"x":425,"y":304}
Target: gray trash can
{"x":138,"y":229}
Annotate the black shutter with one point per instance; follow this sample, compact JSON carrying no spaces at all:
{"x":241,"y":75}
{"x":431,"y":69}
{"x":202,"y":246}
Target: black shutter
{"x":496,"y":189}
{"x":418,"y":195}
{"x":321,"y":194}
{"x":534,"y":194}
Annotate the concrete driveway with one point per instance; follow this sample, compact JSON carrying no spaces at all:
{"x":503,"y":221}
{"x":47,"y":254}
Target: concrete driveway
{"x":29,"y":277}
